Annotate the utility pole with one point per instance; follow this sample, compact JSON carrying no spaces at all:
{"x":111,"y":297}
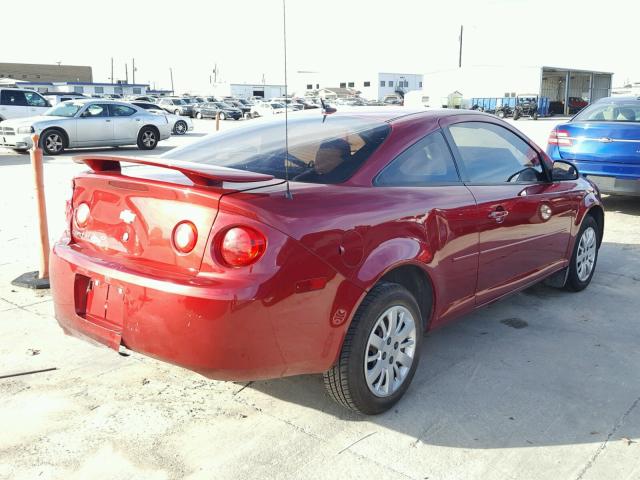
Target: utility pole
{"x":460,"y":52}
{"x":111,"y":69}
{"x":133,"y":70}
{"x":171,"y":73}
{"x":215,"y":73}
{"x":126,"y":73}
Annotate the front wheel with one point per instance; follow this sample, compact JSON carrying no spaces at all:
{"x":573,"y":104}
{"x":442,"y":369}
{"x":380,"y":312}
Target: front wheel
{"x":222,"y":116}
{"x":53,"y":142}
{"x":147,"y":139}
{"x":380,"y":352}
{"x":585,"y":256}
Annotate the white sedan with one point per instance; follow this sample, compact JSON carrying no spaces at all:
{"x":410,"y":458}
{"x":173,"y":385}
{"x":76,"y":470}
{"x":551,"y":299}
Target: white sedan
{"x":264,"y":109}
{"x":87,"y":123}
{"x":179,"y":124}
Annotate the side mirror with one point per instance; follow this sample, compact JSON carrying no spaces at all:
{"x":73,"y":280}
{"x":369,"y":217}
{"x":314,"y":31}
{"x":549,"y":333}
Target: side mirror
{"x":563,"y":170}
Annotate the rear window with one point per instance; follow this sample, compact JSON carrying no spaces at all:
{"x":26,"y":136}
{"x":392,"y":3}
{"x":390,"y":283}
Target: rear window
{"x":328,"y":151}
{"x":610,"y":112}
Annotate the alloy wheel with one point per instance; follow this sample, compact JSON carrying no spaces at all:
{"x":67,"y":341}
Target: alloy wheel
{"x":390,"y":351}
{"x":586,"y":255}
{"x":53,"y":143}
{"x":149,"y":138}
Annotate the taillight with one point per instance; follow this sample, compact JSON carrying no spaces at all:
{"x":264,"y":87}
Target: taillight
{"x":81,"y":215}
{"x":560,"y":138}
{"x":185,"y":237}
{"x":241,"y":246}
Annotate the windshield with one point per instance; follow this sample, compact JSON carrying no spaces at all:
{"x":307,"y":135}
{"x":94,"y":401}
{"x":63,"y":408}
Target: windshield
{"x":65,"y":109}
{"x":277,"y":105}
{"x":328,"y":151}
{"x":610,"y":112}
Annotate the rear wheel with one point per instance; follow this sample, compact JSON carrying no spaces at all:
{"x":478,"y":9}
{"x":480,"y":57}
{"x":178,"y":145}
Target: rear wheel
{"x":222,"y":116}
{"x":180,"y":128}
{"x":53,"y":142}
{"x":198,"y":115}
{"x":147,"y":138}
{"x":585,"y":256}
{"x":380,"y":352}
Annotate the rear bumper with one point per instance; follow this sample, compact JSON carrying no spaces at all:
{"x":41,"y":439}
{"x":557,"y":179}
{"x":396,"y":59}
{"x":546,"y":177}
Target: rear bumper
{"x":612,"y":178}
{"x":226,"y":330}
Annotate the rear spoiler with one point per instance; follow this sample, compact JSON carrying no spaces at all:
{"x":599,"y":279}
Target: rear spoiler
{"x":200,"y":174}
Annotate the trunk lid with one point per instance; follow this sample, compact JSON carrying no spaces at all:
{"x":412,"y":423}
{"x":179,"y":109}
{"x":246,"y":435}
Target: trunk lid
{"x":612,"y":142}
{"x":133,"y":213}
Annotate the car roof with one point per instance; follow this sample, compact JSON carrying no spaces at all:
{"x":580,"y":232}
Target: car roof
{"x":621,"y":98}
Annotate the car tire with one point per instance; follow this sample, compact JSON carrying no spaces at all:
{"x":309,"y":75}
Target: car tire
{"x":584,"y":257}
{"x":347,"y":381}
{"x":222,"y":116}
{"x":500,"y":114}
{"x":516,"y":115}
{"x":148,"y":138}
{"x":176,"y":111}
{"x":180,"y":128}
{"x":535,"y":116}
{"x":53,"y":142}
{"x":199,"y":115}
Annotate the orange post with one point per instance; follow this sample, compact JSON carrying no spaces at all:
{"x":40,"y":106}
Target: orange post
{"x":40,"y":278}
{"x":217,"y":121}
{"x":36,"y":163}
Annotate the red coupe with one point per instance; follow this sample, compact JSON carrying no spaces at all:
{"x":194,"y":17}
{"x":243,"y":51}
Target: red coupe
{"x":392,"y":223}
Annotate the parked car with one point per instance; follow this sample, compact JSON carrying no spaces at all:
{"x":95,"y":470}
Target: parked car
{"x":245,"y":109}
{"x":391,"y":224}
{"x":145,"y":98}
{"x":576,"y":104}
{"x":87,"y":123}
{"x":211,"y":109}
{"x":179,"y":124}
{"x":176,"y":105}
{"x":603,"y":140}
{"x":265,"y":109}
{"x":19,"y":103}
{"x":55,"y":98}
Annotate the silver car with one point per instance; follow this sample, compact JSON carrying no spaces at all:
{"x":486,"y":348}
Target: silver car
{"x":87,"y":123}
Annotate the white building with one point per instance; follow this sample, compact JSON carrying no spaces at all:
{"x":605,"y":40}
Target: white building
{"x":247,"y":90}
{"x":372,"y":86}
{"x":88,"y":89}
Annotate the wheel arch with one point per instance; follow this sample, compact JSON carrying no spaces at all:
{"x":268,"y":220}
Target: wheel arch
{"x":152,"y":126}
{"x":64,"y":133}
{"x":418,"y":282}
{"x":597,"y":212}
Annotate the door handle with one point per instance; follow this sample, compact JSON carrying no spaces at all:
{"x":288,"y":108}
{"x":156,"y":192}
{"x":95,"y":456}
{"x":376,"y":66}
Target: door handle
{"x":499,"y":214}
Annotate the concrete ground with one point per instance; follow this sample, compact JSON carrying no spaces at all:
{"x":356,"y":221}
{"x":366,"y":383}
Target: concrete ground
{"x":543,"y":385}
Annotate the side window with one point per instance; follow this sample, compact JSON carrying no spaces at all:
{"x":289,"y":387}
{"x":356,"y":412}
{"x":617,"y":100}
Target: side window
{"x":13,"y":98}
{"x":96,"y":110}
{"x":426,"y":162}
{"x":35,"y":100}
{"x":121,"y":111}
{"x":492,"y":154}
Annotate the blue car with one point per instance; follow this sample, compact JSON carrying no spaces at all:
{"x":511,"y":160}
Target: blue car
{"x":603,"y":141}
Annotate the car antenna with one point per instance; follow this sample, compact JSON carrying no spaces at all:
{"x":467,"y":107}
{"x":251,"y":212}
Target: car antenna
{"x":286,"y":110}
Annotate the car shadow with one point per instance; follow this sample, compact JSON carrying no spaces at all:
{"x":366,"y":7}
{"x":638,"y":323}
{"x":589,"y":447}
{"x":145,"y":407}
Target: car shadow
{"x":542,"y":367}
{"x":622,"y":204}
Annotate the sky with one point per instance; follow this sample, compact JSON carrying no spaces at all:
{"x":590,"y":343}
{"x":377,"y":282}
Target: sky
{"x":244,"y":38}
